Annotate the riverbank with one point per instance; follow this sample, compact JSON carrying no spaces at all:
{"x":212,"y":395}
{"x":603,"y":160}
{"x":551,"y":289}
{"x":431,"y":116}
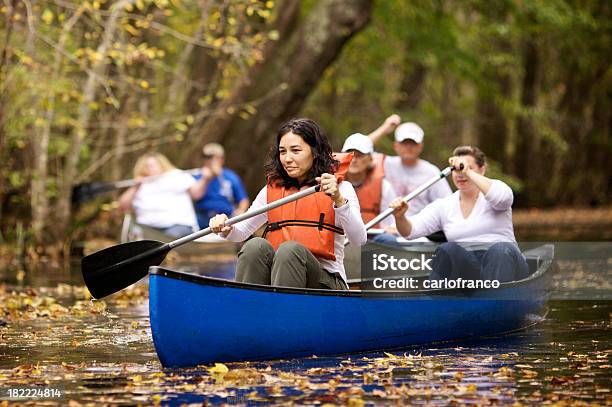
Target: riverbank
{"x":563,"y":224}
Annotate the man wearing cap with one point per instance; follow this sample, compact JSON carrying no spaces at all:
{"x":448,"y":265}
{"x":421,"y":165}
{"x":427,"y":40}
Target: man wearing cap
{"x":219,"y":189}
{"x":366,"y":174}
{"x":407,"y":171}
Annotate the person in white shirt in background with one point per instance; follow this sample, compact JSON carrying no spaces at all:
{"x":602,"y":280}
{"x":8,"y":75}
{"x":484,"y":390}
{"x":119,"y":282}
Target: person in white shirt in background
{"x":303,"y":245}
{"x":477,"y":216}
{"x":407,"y":171}
{"x":366,"y":174}
{"x":162,"y":197}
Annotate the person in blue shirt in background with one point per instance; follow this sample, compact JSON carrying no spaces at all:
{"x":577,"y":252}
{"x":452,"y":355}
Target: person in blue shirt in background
{"x":219,"y":189}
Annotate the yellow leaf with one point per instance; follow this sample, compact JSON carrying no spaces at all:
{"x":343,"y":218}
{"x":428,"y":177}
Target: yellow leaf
{"x":131,"y":30}
{"x":273,"y":35}
{"x":47,"y":16}
{"x":219,"y":368}
{"x":144,"y":84}
{"x":26,"y":60}
{"x":355,"y":402}
{"x":264,"y":13}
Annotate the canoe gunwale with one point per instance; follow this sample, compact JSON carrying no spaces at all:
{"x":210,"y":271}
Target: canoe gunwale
{"x":545,"y":265}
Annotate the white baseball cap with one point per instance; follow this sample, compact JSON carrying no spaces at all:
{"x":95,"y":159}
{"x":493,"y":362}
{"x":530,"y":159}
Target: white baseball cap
{"x":409,"y":131}
{"x":359,"y":142}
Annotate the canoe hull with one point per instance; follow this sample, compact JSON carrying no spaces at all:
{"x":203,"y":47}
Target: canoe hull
{"x":198,"y":320}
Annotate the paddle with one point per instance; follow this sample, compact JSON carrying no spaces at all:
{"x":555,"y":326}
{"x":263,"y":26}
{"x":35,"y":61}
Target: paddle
{"x":443,"y":174}
{"x":114,"y":268}
{"x":88,"y":190}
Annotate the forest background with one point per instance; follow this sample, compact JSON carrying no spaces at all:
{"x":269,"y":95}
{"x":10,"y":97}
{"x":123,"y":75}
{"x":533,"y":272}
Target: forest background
{"x":88,"y":86}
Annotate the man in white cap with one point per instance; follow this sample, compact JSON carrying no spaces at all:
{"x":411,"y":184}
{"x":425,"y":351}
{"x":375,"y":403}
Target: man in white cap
{"x":407,"y":171}
{"x":366,"y":174}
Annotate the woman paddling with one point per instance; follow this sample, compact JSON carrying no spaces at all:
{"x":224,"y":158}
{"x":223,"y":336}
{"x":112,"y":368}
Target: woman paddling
{"x":303,"y":245}
{"x":478,"y":215}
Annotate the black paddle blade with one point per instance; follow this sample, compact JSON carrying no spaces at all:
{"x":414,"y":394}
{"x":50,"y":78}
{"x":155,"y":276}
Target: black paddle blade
{"x":107,"y":271}
{"x":84,"y":192}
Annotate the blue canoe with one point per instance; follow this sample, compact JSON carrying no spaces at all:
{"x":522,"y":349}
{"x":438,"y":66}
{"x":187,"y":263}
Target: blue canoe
{"x":199,"y":320}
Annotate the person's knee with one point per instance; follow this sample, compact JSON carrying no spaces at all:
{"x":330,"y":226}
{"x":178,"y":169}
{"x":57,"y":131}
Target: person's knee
{"x":449,"y":248}
{"x":501,"y":249}
{"x":502,"y":252}
{"x":256,"y":246}
{"x":289,"y":249}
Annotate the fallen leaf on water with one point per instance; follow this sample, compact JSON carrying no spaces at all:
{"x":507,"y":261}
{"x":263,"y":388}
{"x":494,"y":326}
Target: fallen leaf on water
{"x":529,"y":373}
{"x":219,"y":368}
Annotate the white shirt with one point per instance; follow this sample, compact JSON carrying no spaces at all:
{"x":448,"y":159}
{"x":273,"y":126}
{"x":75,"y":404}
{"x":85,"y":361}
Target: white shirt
{"x":348,"y":217}
{"x":165,"y":201}
{"x":406,"y":179}
{"x":489,"y":222}
{"x":388,"y":195}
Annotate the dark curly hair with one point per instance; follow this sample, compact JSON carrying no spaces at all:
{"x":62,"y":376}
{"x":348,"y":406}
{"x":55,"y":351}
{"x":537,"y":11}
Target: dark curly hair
{"x":323,"y":161}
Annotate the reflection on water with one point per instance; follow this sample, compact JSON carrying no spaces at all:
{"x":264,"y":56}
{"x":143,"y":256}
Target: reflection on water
{"x":101,"y":351}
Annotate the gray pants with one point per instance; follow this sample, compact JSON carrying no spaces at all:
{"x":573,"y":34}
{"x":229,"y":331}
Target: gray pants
{"x":292,"y":265}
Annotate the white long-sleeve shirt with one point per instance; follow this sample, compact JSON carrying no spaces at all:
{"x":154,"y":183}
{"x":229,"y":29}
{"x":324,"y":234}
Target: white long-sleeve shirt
{"x":489,"y":222}
{"x":348,"y":217}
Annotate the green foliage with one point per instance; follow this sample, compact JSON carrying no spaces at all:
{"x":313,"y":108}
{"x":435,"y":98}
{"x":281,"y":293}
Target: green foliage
{"x":473,"y":54}
{"x":142,"y":80}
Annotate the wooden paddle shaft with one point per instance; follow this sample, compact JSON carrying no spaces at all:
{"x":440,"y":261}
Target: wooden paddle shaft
{"x":247,"y":215}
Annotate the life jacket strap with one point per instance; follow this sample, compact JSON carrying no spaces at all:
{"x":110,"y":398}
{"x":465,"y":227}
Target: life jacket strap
{"x":303,"y":223}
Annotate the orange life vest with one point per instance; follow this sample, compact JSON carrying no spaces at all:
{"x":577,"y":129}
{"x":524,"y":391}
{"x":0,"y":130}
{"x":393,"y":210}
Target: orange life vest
{"x":370,"y":192}
{"x":309,"y":220}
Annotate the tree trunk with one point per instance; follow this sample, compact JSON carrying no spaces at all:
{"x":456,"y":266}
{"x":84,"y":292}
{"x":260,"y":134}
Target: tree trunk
{"x":491,"y":123}
{"x":577,"y":171}
{"x":280,"y":85}
{"x":412,"y":87}
{"x":40,"y":198}
{"x":526,"y":167}
{"x":79,"y":132}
